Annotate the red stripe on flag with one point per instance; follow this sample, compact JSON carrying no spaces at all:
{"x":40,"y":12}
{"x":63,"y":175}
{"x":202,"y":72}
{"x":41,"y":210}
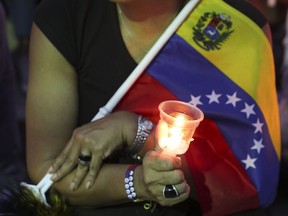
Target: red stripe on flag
{"x":218,"y":176}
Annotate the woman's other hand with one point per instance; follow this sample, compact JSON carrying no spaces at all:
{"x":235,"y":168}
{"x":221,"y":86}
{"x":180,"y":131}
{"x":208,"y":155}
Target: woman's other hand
{"x":91,"y":144}
{"x":159,"y":171}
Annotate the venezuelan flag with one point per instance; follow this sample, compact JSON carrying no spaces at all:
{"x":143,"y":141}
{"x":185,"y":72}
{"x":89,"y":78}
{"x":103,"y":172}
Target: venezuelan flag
{"x":220,"y":61}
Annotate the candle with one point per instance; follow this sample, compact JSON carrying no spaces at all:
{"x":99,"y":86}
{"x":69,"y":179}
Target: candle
{"x":177,"y":124}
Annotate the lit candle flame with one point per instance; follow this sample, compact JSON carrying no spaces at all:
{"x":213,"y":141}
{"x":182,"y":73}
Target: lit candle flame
{"x":173,"y":136}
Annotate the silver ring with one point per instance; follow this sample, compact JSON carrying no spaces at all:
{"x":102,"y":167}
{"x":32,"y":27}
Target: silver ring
{"x":170,"y":191}
{"x":84,"y":160}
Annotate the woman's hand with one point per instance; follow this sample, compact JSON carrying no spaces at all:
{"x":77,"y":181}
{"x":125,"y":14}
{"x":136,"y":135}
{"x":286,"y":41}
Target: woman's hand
{"x":94,"y":141}
{"x":159,"y":171}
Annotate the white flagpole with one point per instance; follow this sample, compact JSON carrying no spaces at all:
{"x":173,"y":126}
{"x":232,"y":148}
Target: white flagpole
{"x":114,"y":100}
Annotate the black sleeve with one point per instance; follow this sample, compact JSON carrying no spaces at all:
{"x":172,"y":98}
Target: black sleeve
{"x":53,"y":17}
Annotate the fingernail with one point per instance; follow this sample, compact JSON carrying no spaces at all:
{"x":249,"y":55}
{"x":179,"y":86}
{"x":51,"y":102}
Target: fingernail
{"x":54,"y":177}
{"x":88,"y":185}
{"x":73,"y":186}
{"x":50,"y":169}
{"x":178,"y":159}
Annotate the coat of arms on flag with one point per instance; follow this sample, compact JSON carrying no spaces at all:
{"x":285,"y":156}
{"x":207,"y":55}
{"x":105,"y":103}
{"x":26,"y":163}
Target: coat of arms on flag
{"x":212,"y":30}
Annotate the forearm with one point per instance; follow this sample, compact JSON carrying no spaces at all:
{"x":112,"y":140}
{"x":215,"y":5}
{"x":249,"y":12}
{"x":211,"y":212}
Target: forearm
{"x":108,"y":188}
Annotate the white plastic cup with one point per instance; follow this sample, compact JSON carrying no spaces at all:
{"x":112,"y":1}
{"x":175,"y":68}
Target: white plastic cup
{"x":176,"y":127}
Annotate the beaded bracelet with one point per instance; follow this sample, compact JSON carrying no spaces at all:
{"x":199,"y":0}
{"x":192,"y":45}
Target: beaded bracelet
{"x":129,"y":183}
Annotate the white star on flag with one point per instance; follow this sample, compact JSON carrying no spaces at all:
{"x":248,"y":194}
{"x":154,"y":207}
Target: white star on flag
{"x":258,"y":145}
{"x":213,"y":97}
{"x":248,"y":110}
{"x":233,"y":99}
{"x":195,"y":100}
{"x":258,"y":126}
{"x":249,"y":162}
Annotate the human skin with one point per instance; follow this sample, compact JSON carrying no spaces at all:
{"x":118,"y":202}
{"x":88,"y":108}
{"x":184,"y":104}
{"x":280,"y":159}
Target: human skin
{"x":52,"y":132}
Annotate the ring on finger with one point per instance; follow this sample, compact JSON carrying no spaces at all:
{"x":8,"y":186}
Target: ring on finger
{"x":84,"y":160}
{"x":170,"y":191}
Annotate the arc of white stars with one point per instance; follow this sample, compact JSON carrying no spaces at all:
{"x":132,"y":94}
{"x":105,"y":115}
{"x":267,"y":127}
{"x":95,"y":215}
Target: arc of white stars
{"x":213,"y":97}
{"x":249,"y":162}
{"x":195,"y":100}
{"x":258,"y":145}
{"x":249,"y":110}
{"x":233,"y":99}
{"x":258,"y":126}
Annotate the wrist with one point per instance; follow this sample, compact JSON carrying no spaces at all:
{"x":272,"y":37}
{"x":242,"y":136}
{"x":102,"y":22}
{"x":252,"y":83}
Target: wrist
{"x":140,"y":185}
{"x":130,"y":183}
{"x":144,"y":128}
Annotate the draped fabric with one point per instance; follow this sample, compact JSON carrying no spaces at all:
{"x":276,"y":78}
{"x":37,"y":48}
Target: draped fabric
{"x":220,"y":61}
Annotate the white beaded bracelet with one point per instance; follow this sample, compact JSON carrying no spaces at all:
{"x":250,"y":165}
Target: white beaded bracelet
{"x":129,"y":183}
